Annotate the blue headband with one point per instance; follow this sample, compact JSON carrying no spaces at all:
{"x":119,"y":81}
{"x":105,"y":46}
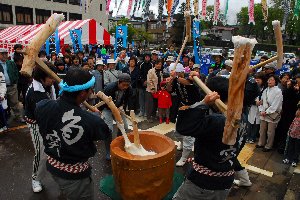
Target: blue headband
{"x":74,"y":88}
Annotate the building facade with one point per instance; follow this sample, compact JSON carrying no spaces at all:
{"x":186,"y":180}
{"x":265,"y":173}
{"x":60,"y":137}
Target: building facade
{"x":26,"y":12}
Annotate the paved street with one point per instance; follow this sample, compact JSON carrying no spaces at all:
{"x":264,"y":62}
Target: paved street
{"x":16,"y":154}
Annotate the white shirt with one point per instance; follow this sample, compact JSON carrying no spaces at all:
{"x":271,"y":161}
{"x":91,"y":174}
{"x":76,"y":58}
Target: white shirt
{"x":272,"y":102}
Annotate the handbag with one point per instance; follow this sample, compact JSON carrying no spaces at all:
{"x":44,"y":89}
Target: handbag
{"x":274,"y":116}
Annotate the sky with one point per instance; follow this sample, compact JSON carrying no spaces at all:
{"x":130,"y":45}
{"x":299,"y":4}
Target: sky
{"x":234,"y":7}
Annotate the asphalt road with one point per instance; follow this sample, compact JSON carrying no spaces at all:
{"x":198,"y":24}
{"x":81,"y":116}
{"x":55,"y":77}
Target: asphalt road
{"x":16,"y":155}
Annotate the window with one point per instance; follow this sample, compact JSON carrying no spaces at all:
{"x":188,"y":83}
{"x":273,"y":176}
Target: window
{"x":74,"y":17}
{"x":6,"y":14}
{"x":100,"y":6}
{"x":137,"y":25}
{"x":60,"y":1}
{"x":74,"y":2}
{"x":152,"y":26}
{"x":42,"y":15}
{"x":24,"y":15}
{"x":64,"y":13}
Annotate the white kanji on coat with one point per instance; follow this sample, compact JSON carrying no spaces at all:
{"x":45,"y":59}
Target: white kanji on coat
{"x":71,"y":132}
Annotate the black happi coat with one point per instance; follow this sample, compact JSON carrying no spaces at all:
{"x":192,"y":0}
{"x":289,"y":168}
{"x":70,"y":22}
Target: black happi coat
{"x":69,"y":133}
{"x":209,"y":151}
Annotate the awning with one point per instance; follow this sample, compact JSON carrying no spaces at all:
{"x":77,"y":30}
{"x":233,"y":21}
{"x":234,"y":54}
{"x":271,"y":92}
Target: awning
{"x":13,"y":34}
{"x":92,"y":33}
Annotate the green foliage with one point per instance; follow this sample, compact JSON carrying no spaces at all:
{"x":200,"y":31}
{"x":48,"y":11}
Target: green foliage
{"x":133,"y":33}
{"x":275,"y":13}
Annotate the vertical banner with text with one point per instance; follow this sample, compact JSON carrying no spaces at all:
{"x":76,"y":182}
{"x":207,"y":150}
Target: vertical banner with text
{"x":196,"y":39}
{"x":121,"y":39}
{"x":75,"y":35}
{"x":53,"y":43}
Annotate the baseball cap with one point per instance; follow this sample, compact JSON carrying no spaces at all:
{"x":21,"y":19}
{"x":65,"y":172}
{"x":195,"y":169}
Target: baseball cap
{"x":99,"y":62}
{"x":228,"y":63}
{"x":270,"y":66}
{"x":111,"y":61}
{"x":154,"y":52}
{"x":124,"y":77}
{"x":196,"y":66}
{"x":3,"y":50}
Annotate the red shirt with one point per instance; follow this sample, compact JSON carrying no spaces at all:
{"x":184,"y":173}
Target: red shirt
{"x":164,"y":99}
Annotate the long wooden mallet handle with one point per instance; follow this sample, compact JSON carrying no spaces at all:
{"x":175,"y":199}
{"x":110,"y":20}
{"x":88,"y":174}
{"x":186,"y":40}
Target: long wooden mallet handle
{"x":265,"y":62}
{"x":220,"y":105}
{"x":279,"y":45}
{"x":135,"y":129}
{"x":46,"y":69}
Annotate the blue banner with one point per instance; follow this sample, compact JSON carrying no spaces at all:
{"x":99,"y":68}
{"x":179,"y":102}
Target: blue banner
{"x":75,"y":35}
{"x":53,"y":43}
{"x":196,"y":38}
{"x":121,"y":39}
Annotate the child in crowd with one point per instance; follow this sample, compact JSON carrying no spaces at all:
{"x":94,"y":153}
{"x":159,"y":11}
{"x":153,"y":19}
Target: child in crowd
{"x":3,"y":104}
{"x":164,"y":102}
{"x":293,"y":141}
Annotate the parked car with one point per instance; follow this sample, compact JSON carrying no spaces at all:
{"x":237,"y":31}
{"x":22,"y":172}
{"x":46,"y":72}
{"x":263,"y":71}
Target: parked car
{"x":216,"y":52}
{"x":205,"y":51}
{"x":230,"y":53}
{"x":288,"y":56}
{"x":259,"y":54}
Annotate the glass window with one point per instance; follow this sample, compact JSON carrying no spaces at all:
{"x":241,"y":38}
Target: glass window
{"x":74,"y":2}
{"x":152,"y":26}
{"x":42,"y":15}
{"x":74,"y":17}
{"x":60,"y":1}
{"x":24,"y":15}
{"x":6,"y":14}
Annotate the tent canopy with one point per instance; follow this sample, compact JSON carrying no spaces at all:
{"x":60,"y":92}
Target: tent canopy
{"x":92,"y":33}
{"x":14,"y":33}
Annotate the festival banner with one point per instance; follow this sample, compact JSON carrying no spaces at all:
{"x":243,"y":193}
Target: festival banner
{"x":121,"y":39}
{"x":203,"y":13}
{"x":297,"y":9}
{"x":264,"y":7}
{"x":129,"y":8}
{"x":216,"y":12}
{"x":107,"y":6}
{"x":286,"y":4}
{"x":226,"y":11}
{"x":196,"y":8}
{"x":196,"y":38}
{"x":75,"y":35}
{"x":251,"y":11}
{"x":53,"y":43}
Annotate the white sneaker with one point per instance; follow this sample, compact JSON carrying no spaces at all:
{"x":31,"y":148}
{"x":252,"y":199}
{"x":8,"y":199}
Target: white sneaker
{"x":36,"y":186}
{"x":1,"y":130}
{"x":181,"y":162}
{"x":4,"y":128}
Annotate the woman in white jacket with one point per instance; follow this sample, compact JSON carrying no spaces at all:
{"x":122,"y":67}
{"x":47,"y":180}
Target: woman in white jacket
{"x":270,"y":110}
{"x":3,"y":104}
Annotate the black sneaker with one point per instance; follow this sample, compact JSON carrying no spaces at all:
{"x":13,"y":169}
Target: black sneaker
{"x":258,"y":146}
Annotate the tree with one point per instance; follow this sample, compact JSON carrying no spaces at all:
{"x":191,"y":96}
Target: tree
{"x":132,"y":33}
{"x":292,"y":32}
